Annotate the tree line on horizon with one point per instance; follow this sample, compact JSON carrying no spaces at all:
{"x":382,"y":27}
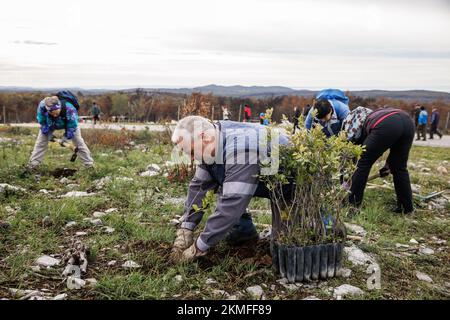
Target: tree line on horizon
{"x":143,"y":106}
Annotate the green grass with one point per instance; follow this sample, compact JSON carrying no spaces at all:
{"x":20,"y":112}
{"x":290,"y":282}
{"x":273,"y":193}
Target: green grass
{"x":143,"y":232}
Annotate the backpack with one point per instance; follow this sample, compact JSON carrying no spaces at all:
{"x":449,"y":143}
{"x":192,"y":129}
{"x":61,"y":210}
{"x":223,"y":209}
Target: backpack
{"x":354,"y":123}
{"x":67,"y":96}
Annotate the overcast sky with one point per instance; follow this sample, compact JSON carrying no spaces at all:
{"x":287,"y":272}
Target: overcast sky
{"x":179,"y":43}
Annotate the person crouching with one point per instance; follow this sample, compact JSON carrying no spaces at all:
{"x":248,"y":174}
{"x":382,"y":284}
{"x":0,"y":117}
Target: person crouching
{"x":50,"y":118}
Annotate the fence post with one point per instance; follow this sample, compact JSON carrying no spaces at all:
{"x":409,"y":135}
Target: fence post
{"x":212,"y":115}
{"x":240,"y":112}
{"x":4,"y":115}
{"x":446,"y":123}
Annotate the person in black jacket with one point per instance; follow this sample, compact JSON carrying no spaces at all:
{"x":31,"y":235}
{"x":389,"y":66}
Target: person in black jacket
{"x":297,"y":114}
{"x":379,"y":131}
{"x":435,"y":116}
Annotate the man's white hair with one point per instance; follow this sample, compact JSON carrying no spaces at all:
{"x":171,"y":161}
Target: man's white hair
{"x":186,"y":126}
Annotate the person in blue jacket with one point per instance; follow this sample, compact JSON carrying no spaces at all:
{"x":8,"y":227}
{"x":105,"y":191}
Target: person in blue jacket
{"x":422,"y":128}
{"x":331,"y":109}
{"x":50,"y":119}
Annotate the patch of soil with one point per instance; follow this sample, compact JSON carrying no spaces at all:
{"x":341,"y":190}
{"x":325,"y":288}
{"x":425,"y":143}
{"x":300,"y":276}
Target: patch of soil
{"x":63,"y":172}
{"x":252,"y":252}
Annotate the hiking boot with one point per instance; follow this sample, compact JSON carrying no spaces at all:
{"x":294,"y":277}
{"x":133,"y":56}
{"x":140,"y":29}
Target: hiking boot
{"x":399,"y":210}
{"x":28,"y":171}
{"x":243,"y":231}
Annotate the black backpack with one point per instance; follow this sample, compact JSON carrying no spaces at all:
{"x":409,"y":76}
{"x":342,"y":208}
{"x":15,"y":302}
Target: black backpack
{"x":67,"y":96}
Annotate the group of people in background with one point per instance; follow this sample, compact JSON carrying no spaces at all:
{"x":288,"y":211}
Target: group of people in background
{"x":421,"y":121}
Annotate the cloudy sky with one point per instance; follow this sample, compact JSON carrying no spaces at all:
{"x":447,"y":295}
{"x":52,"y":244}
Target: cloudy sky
{"x":179,"y":43}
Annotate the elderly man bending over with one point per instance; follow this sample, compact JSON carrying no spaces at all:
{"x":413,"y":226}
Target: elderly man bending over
{"x":230,"y":156}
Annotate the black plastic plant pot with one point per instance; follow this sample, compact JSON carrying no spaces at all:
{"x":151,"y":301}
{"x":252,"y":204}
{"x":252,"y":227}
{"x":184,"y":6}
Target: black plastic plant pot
{"x":315,"y":259}
{"x":304,"y":264}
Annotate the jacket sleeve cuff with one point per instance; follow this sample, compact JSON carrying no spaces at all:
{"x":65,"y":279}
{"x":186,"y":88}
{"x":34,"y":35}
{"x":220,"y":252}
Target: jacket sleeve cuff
{"x":188,"y":225}
{"x":201,"y":245}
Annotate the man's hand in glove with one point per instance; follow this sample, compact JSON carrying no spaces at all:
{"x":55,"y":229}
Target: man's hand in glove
{"x":191,"y":253}
{"x":184,"y":239}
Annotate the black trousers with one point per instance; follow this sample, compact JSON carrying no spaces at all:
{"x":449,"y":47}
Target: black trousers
{"x":435,"y":130}
{"x":395,"y":133}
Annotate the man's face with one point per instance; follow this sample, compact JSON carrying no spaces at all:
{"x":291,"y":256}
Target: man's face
{"x":55,"y":113}
{"x":202,"y":148}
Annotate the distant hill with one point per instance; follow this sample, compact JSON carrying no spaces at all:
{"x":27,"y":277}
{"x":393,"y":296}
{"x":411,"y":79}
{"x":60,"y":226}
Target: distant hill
{"x":259,"y":92}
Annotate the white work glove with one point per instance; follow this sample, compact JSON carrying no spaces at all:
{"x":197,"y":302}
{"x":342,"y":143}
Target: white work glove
{"x":191,"y":254}
{"x":184,"y":239}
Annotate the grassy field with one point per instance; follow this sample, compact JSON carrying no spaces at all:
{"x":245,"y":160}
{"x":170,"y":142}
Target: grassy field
{"x":143,"y":232}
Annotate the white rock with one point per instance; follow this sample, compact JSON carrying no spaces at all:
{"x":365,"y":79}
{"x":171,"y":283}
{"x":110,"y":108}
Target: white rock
{"x":415,"y":188}
{"x":112,"y":263}
{"x":346,"y":290}
{"x":35,"y":268}
{"x":44,"y":191}
{"x":210,"y":281}
{"x":399,"y":245}
{"x":91,"y":282}
{"x":153,"y":167}
{"x":109,"y":230}
{"x":81,"y":234}
{"x":74,"y":283}
{"x":178,"y":278}
{"x":64,"y":180}
{"x":311,"y":298}
{"x":9,"y":188}
{"x":423,"y":277}
{"x":70,"y":224}
{"x":76,"y":194}
{"x":425,"y":169}
{"x":103,"y":182}
{"x":265,"y":234}
{"x":358,"y":230}
{"x":442,"y":170}
{"x":148,"y":174}
{"x":357,"y":257}
{"x":47,"y":261}
{"x":95,"y":222}
{"x":345,"y":273}
{"x":255,"y":291}
{"x":413,"y":241}
{"x":426,"y":251}
{"x":99,"y":214}
{"x":130,"y":264}
{"x":62,"y":296}
{"x":72,"y":186}
{"x":111,"y":210}
{"x":174,"y":222}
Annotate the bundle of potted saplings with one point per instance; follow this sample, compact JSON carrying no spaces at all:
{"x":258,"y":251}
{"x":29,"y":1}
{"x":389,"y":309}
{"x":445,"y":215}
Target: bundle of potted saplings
{"x":308,"y":200}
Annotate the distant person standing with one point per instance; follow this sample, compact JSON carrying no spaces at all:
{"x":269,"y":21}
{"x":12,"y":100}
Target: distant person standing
{"x":434,"y":124}
{"x":416,"y":118}
{"x":297,"y":114}
{"x":422,"y":127}
{"x":225,"y":113}
{"x":95,"y":112}
{"x":247,"y":113}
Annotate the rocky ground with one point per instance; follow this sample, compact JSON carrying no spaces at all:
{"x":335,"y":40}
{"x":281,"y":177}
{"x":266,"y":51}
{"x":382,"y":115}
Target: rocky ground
{"x":72,"y":233}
